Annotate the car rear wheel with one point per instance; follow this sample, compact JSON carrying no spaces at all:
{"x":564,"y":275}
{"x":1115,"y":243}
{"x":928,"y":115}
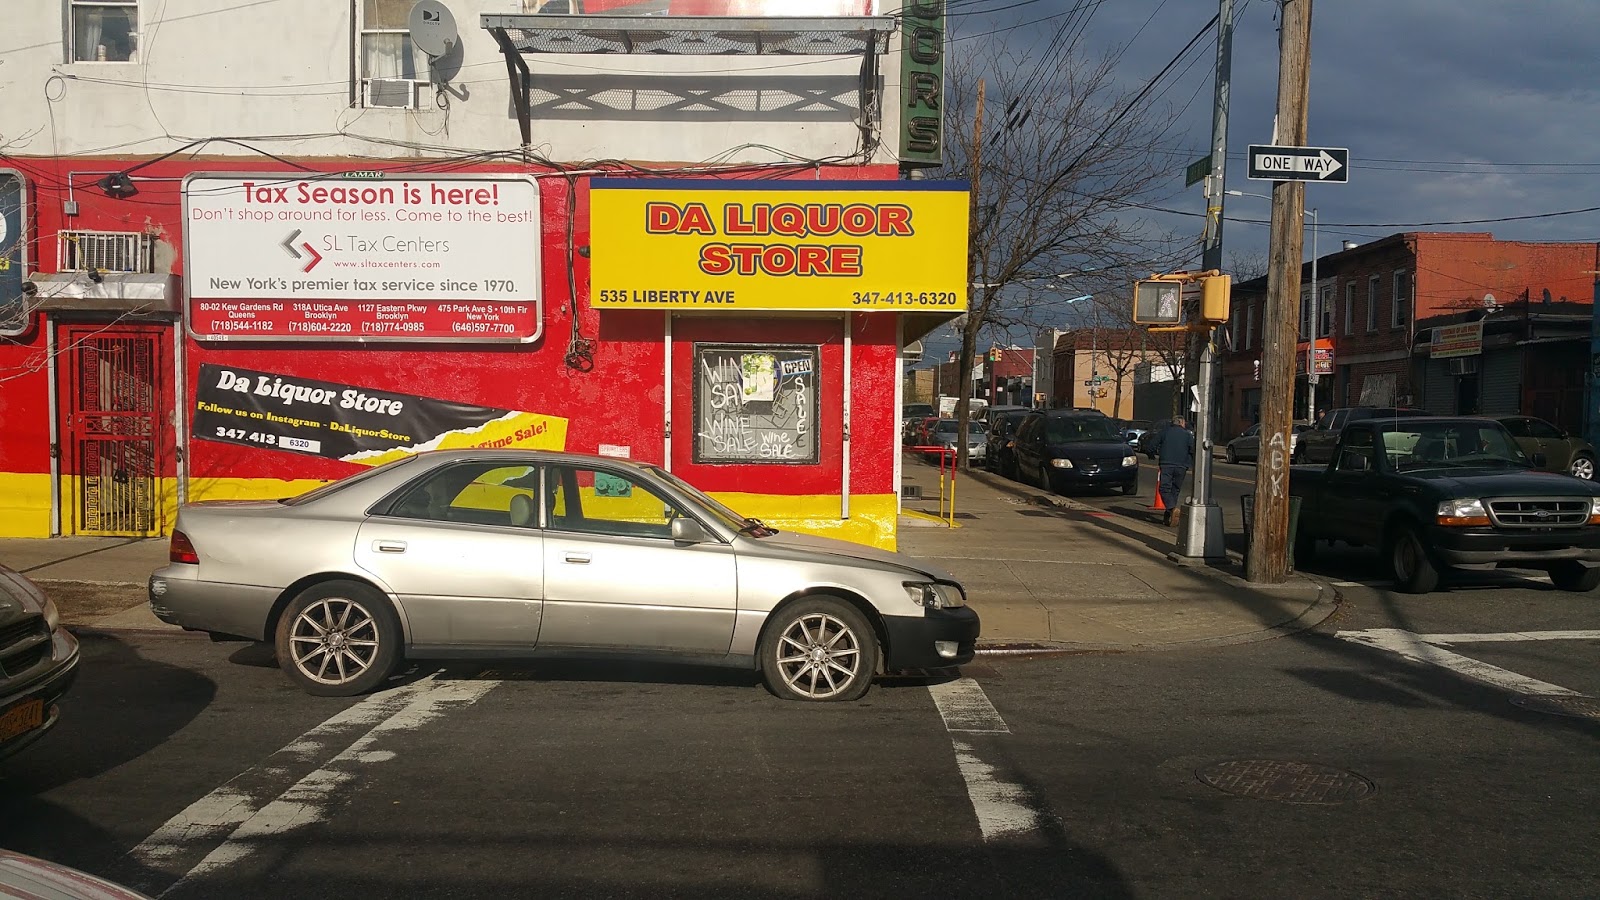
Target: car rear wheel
{"x":1232,"y":456}
{"x":1570,"y":575}
{"x":1414,"y":571}
{"x":338,"y":639}
{"x":1582,"y":467}
{"x":819,"y":649}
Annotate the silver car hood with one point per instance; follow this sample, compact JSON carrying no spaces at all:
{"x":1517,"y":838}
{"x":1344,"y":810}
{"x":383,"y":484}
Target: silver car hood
{"x":794,"y":545}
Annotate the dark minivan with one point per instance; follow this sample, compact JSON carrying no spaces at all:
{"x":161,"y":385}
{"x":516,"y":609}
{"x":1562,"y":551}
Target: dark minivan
{"x":1062,"y":450}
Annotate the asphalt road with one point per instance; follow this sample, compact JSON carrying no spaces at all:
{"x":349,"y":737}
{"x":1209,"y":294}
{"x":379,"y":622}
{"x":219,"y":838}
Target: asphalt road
{"x":1372,"y":764}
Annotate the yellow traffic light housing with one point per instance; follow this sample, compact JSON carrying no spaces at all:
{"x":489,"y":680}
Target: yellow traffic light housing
{"x":1214,"y":291}
{"x":1160,"y":301}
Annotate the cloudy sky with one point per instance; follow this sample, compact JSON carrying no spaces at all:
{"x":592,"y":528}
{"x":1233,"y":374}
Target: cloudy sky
{"x":1451,"y":110}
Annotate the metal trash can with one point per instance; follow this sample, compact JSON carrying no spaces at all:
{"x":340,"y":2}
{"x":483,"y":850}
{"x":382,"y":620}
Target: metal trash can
{"x":1247,"y":509}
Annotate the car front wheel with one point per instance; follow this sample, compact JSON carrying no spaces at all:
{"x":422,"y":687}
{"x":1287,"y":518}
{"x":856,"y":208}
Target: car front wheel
{"x":819,"y":649}
{"x":1582,"y":467}
{"x":1574,"y":576}
{"x":1232,"y":456}
{"x":338,"y":639}
{"x":1414,"y":571}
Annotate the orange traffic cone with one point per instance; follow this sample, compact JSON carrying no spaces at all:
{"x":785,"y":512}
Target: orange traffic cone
{"x":1158,"y":506}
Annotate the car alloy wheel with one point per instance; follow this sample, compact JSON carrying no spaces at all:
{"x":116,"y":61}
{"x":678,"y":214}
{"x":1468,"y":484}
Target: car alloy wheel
{"x":1414,"y":572}
{"x":334,"y":641}
{"x":1582,"y":467}
{"x":1233,"y":457}
{"x":819,"y":649}
{"x":339,"y":639}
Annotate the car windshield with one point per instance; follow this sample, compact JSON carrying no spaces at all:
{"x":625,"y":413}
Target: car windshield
{"x":713,"y":506}
{"x":1077,"y":429}
{"x":341,"y":484}
{"x":1451,"y":445}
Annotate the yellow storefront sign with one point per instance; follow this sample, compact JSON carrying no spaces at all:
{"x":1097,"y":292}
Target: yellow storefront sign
{"x":779,"y":245}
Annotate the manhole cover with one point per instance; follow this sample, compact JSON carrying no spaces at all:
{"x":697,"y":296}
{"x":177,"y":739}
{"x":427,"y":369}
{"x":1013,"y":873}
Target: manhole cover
{"x":1287,"y":782}
{"x":1561,"y":705}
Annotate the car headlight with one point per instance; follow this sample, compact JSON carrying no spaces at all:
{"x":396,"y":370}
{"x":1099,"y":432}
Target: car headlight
{"x":935,"y":596}
{"x":1130,"y":460}
{"x":1061,"y":463}
{"x":1462,"y":512}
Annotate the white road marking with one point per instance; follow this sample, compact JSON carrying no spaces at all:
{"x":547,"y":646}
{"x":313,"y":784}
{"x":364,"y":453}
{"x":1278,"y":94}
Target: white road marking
{"x":254,"y":807}
{"x":1502,"y":636}
{"x":966,"y":708}
{"x":1002,"y":807}
{"x":1417,"y":648}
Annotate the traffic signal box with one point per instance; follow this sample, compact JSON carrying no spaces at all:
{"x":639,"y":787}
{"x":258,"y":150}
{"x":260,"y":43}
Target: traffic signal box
{"x":1163,"y":302}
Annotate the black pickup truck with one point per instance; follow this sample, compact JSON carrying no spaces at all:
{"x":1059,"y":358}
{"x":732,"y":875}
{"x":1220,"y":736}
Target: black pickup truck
{"x":1316,"y":445}
{"x":1436,"y":494}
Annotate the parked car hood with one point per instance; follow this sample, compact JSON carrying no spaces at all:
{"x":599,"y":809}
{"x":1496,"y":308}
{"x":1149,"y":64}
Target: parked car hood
{"x":1107,"y":447}
{"x":1461,"y":483}
{"x":19,"y":597}
{"x":793,"y":545}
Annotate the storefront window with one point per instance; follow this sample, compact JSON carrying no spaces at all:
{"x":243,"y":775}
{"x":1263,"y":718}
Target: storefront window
{"x":755,"y":404}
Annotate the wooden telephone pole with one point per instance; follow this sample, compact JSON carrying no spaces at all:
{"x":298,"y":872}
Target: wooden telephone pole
{"x":1269,"y":534}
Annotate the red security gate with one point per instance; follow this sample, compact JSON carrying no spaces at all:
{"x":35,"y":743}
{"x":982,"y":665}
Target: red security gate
{"x":115,"y":383}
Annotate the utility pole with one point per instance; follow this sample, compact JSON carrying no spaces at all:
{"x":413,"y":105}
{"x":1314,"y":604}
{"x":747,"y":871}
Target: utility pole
{"x":1202,"y":518}
{"x":1269,"y":534}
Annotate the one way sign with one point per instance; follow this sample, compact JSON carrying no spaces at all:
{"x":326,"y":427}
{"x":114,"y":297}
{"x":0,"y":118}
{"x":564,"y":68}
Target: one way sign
{"x":1328,"y":164}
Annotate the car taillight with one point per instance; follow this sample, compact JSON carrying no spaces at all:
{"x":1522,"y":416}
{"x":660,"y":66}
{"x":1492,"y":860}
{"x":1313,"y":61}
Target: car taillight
{"x":182,"y":551}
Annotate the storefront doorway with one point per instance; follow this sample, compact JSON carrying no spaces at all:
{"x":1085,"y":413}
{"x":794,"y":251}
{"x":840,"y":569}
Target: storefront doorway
{"x":113,"y":383}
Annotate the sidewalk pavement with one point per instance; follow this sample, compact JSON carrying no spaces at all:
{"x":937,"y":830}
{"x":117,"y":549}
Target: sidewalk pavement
{"x":1045,"y":573}
{"x":1048,"y":572}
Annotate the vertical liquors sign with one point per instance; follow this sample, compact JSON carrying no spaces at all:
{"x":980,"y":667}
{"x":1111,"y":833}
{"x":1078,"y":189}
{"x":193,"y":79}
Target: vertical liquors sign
{"x":13,"y":253}
{"x":922,"y":84}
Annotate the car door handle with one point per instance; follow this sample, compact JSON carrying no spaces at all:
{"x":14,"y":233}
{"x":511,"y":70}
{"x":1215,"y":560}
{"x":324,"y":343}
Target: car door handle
{"x":573,"y":556}
{"x":389,"y":546}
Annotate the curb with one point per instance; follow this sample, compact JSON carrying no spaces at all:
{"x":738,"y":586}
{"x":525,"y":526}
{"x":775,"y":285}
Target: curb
{"x":92,"y":630}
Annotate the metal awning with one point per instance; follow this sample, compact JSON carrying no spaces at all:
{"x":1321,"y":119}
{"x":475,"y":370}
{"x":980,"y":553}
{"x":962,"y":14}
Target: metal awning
{"x":518,"y":35}
{"x":115,"y":291}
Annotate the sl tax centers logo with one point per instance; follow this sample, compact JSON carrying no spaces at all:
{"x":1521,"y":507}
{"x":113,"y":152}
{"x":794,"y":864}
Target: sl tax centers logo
{"x":288,"y":245}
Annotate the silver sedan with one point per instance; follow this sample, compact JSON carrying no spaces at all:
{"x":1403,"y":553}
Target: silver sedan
{"x":506,"y":553}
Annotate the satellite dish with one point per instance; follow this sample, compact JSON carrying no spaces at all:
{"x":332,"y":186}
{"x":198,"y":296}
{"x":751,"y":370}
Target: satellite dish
{"x":1488,"y":301}
{"x":433,"y":28}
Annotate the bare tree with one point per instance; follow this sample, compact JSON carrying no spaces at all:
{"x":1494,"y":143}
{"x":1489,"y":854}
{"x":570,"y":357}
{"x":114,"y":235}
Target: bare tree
{"x":1058,"y":167}
{"x":1247,"y":265}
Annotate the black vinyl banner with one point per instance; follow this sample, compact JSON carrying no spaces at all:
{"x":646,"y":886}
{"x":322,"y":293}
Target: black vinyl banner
{"x":355,"y":424}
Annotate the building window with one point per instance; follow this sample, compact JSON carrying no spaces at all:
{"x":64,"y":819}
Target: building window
{"x":104,"y":31}
{"x":389,"y":64}
{"x":1249,"y":325}
{"x":1350,"y":307}
{"x":105,"y":251}
{"x":1372,"y":303}
{"x":1328,"y":312}
{"x":1307,"y":317}
{"x":1400,"y":309}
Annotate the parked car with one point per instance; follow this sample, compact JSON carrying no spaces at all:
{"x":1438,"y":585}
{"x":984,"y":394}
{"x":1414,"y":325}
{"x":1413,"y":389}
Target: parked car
{"x":1149,"y":441}
{"x":510,"y":553}
{"x":995,"y":412}
{"x":30,"y":878}
{"x":1061,"y":450}
{"x":920,"y":432}
{"x":38,"y":662}
{"x":1563,"y":451}
{"x":1437,"y":494}
{"x":1135,"y":430}
{"x":1247,"y":446}
{"x":946,"y":433}
{"x":999,"y":452}
{"x":1316,"y":445}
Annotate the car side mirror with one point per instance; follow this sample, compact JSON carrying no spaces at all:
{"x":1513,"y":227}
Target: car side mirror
{"x":689,"y":531}
{"x":1540,"y":460}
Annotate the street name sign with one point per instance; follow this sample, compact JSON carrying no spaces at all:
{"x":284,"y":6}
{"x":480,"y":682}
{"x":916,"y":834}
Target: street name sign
{"x":1325,"y":164}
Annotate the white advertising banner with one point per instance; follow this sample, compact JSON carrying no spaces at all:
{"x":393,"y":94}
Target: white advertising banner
{"x":341,"y":257}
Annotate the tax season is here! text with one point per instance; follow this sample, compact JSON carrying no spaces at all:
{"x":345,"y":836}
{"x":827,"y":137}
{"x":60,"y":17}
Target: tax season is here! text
{"x":779,"y":245}
{"x":293,"y":257}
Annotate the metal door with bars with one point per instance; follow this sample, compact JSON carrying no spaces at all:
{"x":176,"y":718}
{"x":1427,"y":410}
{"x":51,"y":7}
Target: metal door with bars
{"x":115,"y":381}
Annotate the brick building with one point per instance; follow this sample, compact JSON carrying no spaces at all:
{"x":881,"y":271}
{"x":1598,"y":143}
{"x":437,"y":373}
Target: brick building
{"x":1096,"y":367}
{"x":1376,"y":305}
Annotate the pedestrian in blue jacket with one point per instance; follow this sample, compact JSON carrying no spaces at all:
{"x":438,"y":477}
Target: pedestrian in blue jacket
{"x":1176,"y":455}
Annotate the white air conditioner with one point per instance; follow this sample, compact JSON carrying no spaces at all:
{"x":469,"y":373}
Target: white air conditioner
{"x":391,"y":93}
{"x":1464,"y":365}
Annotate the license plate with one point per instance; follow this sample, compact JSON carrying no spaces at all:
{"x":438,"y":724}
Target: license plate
{"x":21,"y":719}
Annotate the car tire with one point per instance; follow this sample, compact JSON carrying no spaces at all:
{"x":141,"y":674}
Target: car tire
{"x":1414,"y":571}
{"x":1231,"y":456}
{"x":1570,"y":575}
{"x":1582,"y":467}
{"x":353,"y":618}
{"x":810,"y":643}
{"x":1131,"y":488}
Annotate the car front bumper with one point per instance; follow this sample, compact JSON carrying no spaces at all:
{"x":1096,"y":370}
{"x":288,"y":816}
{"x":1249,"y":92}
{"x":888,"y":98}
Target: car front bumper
{"x":47,"y":688}
{"x":914,"y":640}
{"x":1489,"y":547}
{"x":1066,"y":479}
